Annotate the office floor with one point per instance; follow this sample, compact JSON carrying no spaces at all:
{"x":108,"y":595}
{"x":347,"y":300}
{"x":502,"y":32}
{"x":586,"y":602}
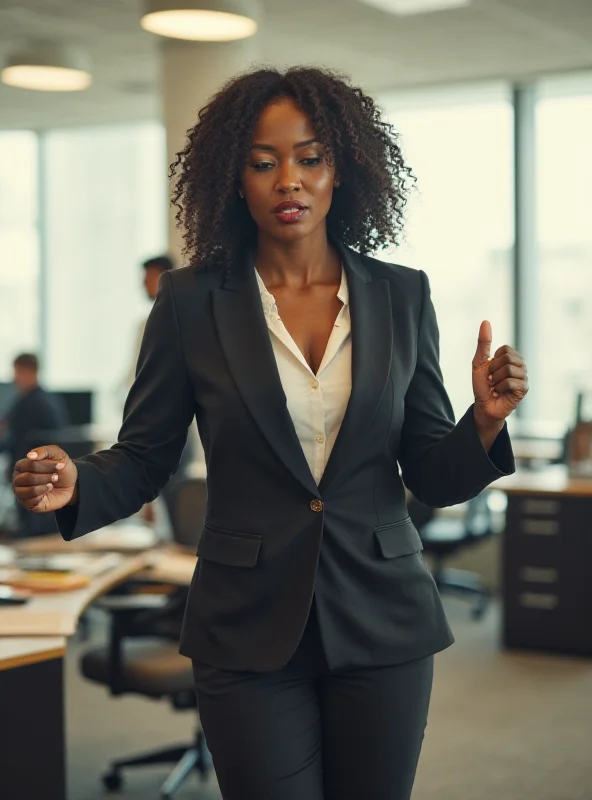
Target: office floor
{"x":502,"y":727}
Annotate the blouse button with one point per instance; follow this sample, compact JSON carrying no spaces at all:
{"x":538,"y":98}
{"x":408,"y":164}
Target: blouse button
{"x":320,"y":439}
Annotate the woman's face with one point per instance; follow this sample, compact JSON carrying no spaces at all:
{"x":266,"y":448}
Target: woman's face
{"x":287,"y":181}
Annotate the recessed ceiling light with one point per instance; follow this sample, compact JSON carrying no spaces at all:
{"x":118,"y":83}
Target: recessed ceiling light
{"x":208,"y":21}
{"x":48,"y":67}
{"x":410,"y":7}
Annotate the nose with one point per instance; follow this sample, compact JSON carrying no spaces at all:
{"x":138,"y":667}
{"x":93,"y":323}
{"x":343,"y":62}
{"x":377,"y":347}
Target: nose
{"x":289,"y":180}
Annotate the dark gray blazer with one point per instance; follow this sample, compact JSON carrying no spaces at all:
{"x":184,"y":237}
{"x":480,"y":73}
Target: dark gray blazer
{"x":272,"y":537}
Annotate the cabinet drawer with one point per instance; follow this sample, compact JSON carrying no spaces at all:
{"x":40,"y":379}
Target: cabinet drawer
{"x":545,"y":621}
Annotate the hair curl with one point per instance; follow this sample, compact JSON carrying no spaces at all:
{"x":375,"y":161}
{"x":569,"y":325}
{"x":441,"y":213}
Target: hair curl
{"x":367,"y":209}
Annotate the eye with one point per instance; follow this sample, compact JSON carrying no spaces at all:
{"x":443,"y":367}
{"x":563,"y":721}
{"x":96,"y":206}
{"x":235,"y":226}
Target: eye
{"x":313,"y":161}
{"x":262,"y":166}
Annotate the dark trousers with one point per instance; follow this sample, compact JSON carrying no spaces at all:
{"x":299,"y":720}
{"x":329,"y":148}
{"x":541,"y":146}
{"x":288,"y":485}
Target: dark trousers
{"x":306,"y":732}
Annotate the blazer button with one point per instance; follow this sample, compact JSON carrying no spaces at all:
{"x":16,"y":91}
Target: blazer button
{"x":316,"y":505}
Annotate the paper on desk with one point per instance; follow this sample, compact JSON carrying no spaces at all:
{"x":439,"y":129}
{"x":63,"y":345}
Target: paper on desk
{"x":21,"y":622}
{"x":91,"y":564}
{"x":7,"y":555}
{"x":122,"y":537}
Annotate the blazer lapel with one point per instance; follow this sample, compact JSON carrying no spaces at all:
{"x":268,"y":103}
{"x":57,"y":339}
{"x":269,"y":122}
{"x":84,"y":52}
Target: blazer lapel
{"x":372,"y":345}
{"x":245,"y":340}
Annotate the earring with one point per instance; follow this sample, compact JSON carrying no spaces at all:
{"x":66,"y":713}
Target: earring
{"x":241,"y":194}
{"x":337,"y":184}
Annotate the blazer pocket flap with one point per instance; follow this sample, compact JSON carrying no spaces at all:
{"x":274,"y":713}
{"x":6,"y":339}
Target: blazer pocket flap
{"x":230,"y":548}
{"x":399,"y":539}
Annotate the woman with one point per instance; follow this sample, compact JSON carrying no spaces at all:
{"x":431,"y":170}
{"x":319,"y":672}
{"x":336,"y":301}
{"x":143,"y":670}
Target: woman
{"x":312,"y":370}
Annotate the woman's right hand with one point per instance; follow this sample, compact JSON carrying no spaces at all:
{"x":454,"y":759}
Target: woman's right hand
{"x":46,"y":480}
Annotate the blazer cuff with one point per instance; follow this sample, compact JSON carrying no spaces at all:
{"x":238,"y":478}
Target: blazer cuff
{"x":496,"y":463}
{"x":73,"y":521}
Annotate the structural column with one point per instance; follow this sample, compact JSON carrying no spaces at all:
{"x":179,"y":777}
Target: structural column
{"x":191,"y":73}
{"x":526,"y":257}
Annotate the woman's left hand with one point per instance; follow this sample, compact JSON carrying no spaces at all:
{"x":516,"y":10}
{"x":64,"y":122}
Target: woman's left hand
{"x":499,"y":383}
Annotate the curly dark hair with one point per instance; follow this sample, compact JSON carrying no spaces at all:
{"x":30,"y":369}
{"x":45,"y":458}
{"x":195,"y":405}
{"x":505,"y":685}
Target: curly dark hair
{"x":367,"y":209}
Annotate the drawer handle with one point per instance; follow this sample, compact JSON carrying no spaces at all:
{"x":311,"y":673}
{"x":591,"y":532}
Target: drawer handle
{"x":540,"y":527}
{"x":543,"y":507}
{"x":541,"y":601}
{"x":539,"y":575}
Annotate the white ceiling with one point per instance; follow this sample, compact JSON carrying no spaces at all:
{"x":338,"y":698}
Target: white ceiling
{"x":489,"y":39}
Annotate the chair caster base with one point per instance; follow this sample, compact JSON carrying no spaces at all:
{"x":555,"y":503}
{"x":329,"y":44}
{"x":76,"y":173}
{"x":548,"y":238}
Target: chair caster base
{"x":112,"y":781}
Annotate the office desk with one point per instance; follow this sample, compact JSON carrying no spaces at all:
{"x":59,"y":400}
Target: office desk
{"x":551,"y":481}
{"x":529,"y":450}
{"x":546,"y":562}
{"x":117,"y":538}
{"x":32,"y":757}
{"x":32,"y":760}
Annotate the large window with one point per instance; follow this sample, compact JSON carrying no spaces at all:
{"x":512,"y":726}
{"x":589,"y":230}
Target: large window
{"x":70,"y":281}
{"x":105,"y":209}
{"x":19,"y":248}
{"x":460,"y":221}
{"x":564,"y":273}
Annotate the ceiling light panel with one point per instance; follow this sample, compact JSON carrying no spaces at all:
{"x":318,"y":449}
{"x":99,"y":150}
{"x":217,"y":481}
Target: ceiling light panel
{"x":205,"y":21}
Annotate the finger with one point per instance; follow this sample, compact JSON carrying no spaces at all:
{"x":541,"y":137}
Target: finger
{"x":39,"y":467}
{"x":33,"y":479}
{"x":507,"y":371}
{"x":505,"y":348}
{"x":51,"y":451}
{"x":38,"y":506}
{"x":483,"y":344}
{"x":497,"y":362}
{"x":511,"y":386}
{"x":34,"y":505}
{"x":30,"y":492}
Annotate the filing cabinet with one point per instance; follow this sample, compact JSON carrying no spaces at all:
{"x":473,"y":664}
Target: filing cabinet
{"x":547,"y":572}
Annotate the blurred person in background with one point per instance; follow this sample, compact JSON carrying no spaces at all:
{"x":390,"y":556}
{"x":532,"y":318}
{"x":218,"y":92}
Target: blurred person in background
{"x":34,"y":409}
{"x":153,"y":268}
{"x":34,"y":413}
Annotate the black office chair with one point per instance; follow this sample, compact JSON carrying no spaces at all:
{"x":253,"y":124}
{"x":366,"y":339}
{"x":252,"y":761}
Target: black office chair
{"x":445,"y":536}
{"x":142,"y":655}
{"x":142,"y":658}
{"x":185,"y":500}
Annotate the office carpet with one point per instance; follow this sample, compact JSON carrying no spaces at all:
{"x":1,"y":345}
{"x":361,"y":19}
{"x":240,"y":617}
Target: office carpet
{"x":502,"y":726}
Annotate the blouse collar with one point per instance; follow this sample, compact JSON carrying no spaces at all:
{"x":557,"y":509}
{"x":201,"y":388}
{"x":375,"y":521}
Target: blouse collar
{"x":270,"y":307}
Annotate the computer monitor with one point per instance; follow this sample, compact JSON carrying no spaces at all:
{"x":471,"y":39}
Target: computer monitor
{"x":78,"y":406}
{"x":7,"y":395}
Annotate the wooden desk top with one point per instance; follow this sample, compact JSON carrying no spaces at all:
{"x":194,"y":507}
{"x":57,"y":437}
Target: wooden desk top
{"x":552,"y":480}
{"x":121,"y":537}
{"x":20,"y":651}
{"x":58,"y":614}
{"x":169,"y":565}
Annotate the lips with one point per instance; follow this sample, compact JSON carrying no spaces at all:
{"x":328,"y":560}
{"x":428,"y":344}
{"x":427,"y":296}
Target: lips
{"x":290,"y":211}
{"x":288,"y":205}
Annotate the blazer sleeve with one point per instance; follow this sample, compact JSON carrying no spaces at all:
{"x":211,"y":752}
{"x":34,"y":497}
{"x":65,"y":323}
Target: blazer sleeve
{"x":442,"y":463}
{"x":115,"y":483}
